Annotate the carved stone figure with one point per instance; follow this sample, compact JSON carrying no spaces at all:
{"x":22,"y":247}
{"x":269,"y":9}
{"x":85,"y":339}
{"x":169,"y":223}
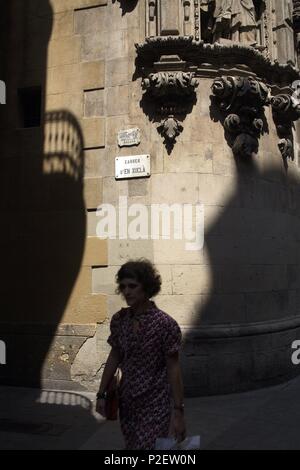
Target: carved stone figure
{"x":243,"y":22}
{"x":223,"y":14}
{"x":230,"y":19}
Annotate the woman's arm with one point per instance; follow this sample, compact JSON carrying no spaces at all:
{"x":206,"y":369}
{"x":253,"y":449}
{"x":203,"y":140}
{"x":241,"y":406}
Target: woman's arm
{"x":110,"y":368}
{"x":175,"y":378}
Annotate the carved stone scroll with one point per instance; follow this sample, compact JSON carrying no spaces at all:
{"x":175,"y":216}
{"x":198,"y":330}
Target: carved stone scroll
{"x":286,"y":110}
{"x":241,"y":101}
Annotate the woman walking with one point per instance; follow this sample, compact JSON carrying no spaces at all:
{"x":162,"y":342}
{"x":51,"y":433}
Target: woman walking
{"x":145,"y":345}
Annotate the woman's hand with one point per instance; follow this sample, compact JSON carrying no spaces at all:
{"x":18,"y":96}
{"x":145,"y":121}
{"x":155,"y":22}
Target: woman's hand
{"x":177,"y":426}
{"x":100,"y":407}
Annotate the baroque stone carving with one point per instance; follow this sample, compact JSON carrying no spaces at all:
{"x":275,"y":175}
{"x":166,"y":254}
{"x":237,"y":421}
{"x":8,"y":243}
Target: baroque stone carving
{"x":197,"y":19}
{"x":236,"y":20}
{"x":209,"y":20}
{"x":173,"y":17}
{"x":172,"y":93}
{"x":170,"y":60}
{"x":217,"y":56}
{"x":241,"y":101}
{"x":265,"y":33}
{"x":286,"y":110}
{"x":170,"y":83}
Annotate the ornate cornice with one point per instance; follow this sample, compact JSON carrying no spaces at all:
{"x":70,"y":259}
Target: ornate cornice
{"x":170,"y":65}
{"x":152,"y":48}
{"x":217,"y":56}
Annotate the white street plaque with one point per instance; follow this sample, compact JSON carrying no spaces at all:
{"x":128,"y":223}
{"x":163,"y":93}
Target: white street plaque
{"x":133,"y":166}
{"x":129,"y":137}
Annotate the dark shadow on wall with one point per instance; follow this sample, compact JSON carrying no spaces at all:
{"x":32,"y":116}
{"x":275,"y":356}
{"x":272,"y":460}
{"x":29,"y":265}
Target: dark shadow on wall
{"x":42,"y":210}
{"x":44,"y":247}
{"x":43,"y":231}
{"x":127,"y":5}
{"x":248,"y":319}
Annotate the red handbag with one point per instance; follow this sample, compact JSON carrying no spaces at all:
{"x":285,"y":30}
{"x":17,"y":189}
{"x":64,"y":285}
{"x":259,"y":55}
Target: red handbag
{"x":112,"y":397}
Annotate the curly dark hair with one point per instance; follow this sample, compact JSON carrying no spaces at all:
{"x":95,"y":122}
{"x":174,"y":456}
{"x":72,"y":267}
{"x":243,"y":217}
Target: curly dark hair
{"x":143,"y":271}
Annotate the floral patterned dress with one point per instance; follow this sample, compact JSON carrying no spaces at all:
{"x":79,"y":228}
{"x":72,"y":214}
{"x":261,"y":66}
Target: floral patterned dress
{"x":145,"y":398}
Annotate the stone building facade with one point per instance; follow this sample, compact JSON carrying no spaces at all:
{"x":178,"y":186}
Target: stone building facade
{"x":212,"y":89}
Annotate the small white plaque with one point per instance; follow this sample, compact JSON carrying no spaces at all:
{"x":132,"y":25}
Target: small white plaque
{"x":134,"y":166}
{"x":129,"y":137}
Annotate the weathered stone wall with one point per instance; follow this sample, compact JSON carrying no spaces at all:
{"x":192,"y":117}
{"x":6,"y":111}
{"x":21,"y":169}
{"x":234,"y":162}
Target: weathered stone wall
{"x":236,"y":300}
{"x":230,"y":296}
